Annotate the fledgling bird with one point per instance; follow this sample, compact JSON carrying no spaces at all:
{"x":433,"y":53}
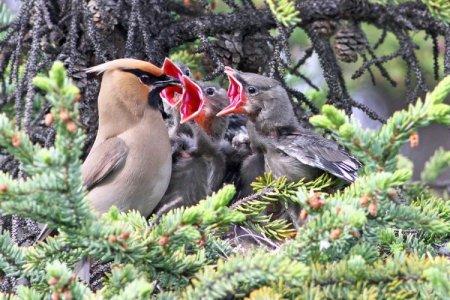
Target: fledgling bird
{"x":198,"y":164}
{"x":289,"y":150}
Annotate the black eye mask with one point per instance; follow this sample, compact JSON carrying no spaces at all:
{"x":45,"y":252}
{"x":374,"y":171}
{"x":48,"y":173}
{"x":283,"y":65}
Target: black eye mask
{"x":155,"y":101}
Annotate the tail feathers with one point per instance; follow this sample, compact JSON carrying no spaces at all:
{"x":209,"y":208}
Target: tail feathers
{"x":82,"y":269}
{"x":45,"y":232}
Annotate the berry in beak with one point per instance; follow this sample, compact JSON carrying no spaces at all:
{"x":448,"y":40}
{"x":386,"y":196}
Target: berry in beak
{"x":236,"y":95}
{"x":192,"y":100}
{"x":172,"y":94}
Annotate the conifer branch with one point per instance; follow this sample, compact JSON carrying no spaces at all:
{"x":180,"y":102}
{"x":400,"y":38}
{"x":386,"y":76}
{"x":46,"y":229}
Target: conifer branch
{"x":437,"y":163}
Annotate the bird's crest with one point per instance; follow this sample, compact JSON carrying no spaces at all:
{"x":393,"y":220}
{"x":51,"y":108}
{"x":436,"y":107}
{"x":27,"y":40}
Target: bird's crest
{"x":126,"y":63}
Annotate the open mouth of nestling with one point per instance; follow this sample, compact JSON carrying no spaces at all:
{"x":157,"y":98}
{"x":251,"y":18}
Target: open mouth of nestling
{"x":192,"y":100}
{"x":172,"y":94}
{"x":235,"y":94}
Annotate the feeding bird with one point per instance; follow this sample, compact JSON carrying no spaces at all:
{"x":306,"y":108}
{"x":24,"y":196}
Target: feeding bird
{"x":289,"y":150}
{"x":129,"y":164}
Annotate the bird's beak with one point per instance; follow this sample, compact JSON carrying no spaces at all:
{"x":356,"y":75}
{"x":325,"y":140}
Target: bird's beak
{"x":192,"y":100}
{"x":172,"y":93}
{"x":170,"y":82}
{"x":235,"y":94}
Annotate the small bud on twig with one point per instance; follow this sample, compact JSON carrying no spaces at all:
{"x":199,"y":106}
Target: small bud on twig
{"x":15,"y":141}
{"x":392,"y":193}
{"x":55,"y":296}
{"x":124,"y":235}
{"x":364,"y":200}
{"x":315,"y":201}
{"x":53,"y":281}
{"x":414,"y":140}
{"x":64,"y":115}
{"x":71,"y":126}
{"x":67,"y":295}
{"x":201,"y":242}
{"x":48,"y":120}
{"x":163,"y":241}
{"x":335,"y":234}
{"x":373,"y":209}
{"x":355,"y":234}
{"x":303,"y":215}
{"x":3,"y":188}
{"x":112,"y":239}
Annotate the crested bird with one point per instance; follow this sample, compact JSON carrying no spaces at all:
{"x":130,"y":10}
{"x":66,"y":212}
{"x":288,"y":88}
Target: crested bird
{"x":129,"y":164}
{"x":289,"y":150}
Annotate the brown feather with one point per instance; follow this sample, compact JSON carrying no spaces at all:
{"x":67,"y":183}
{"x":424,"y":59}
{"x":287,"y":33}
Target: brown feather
{"x":126,"y":63}
{"x":104,"y":159}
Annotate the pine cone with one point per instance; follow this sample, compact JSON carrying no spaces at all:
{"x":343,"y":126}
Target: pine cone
{"x":325,"y":28}
{"x":349,"y":42}
{"x":103,"y":14}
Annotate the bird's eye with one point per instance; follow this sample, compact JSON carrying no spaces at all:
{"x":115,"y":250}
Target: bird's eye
{"x":210,"y":91}
{"x":252,"y":90}
{"x":145,"y":79}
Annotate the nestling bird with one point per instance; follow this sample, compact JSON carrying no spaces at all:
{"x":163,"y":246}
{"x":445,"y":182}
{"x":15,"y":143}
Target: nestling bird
{"x":198,"y":164}
{"x":289,"y":149}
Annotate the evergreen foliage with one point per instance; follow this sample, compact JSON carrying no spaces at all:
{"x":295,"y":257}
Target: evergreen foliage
{"x":5,"y":15}
{"x":372,"y":238}
{"x":284,"y":11}
{"x":439,"y":9}
{"x":437,"y":163}
{"x":378,"y":150}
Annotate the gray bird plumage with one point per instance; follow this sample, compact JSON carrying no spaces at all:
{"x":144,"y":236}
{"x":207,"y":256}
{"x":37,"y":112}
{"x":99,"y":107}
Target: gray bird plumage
{"x":198,"y":163}
{"x":289,"y":150}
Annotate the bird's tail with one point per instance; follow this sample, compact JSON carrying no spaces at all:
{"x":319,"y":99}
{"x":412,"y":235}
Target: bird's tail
{"x":82,"y":269}
{"x":45,"y":232}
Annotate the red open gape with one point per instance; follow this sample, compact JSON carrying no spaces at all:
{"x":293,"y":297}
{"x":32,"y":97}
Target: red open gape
{"x":192,"y":100}
{"x":235,"y":94}
{"x":171,"y":94}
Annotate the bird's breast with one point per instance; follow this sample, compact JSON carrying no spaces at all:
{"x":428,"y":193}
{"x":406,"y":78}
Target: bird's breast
{"x":144,"y":178}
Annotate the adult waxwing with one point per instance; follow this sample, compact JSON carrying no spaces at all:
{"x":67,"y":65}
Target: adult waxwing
{"x":130,"y":163}
{"x":198,"y":163}
{"x":289,"y":150}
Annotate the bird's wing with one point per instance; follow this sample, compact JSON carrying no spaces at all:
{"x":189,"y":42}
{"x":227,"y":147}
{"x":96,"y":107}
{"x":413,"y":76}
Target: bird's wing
{"x":103,"y":160}
{"x":314,"y":150}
